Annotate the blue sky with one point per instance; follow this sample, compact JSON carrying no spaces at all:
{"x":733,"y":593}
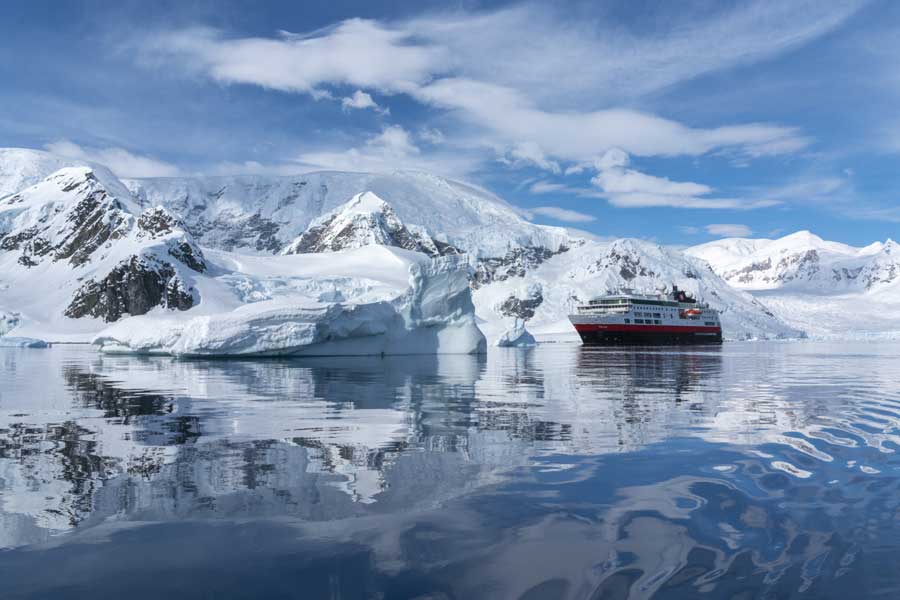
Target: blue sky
{"x":678,"y":122}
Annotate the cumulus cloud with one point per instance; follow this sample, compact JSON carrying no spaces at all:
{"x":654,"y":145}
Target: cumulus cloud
{"x":361,"y":101}
{"x":728,"y":230}
{"x":563,"y":214}
{"x":120,"y":161}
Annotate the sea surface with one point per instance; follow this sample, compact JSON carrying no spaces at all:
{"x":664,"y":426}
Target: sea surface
{"x":753,"y":470}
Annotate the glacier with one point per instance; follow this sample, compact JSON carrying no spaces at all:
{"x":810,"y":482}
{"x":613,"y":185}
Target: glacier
{"x":433,"y":314}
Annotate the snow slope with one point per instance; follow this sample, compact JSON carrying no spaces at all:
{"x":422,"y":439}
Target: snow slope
{"x":802,"y":261}
{"x":264,"y":213}
{"x":829,"y":289}
{"x":334,"y":221}
{"x":75,"y":256}
{"x":549,"y":293}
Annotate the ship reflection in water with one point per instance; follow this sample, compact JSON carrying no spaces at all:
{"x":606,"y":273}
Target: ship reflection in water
{"x":743,"y":471}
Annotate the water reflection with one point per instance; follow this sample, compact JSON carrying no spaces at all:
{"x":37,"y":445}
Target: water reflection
{"x":559,"y":472}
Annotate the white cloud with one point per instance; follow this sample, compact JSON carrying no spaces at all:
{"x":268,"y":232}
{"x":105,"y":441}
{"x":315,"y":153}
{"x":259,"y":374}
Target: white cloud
{"x":581,"y":136}
{"x":562,"y":214}
{"x":548,"y":187}
{"x":485,"y":70}
{"x":389,"y":150}
{"x":120,"y":161}
{"x":361,"y":101}
{"x":525,"y":46}
{"x":629,"y":188}
{"x":357,"y":52}
{"x":431,"y":135}
{"x":530,"y":154}
{"x":728,"y":230}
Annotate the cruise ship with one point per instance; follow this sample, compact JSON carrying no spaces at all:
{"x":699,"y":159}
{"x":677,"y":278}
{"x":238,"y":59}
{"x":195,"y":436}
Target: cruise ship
{"x":641,"y":319}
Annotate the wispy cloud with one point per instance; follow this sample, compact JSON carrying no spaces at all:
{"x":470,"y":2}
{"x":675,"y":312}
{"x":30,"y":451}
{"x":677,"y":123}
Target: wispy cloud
{"x":358,"y":52}
{"x":120,"y":161}
{"x":728,"y":230}
{"x":486,"y":71}
{"x":393,"y":148}
{"x":629,"y":188}
{"x":563,"y":214}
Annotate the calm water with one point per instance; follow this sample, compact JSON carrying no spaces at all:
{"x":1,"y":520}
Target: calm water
{"x":750,"y":471}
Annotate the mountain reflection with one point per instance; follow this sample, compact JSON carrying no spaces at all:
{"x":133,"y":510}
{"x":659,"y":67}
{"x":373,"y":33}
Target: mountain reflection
{"x":144,"y":438}
{"x":558,"y":472}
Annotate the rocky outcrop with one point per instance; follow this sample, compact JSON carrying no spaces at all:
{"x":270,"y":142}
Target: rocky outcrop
{"x":133,"y":287}
{"x":523,"y":304}
{"x":515,"y":263}
{"x":157,"y":223}
{"x":127,"y":262}
{"x":73,"y":230}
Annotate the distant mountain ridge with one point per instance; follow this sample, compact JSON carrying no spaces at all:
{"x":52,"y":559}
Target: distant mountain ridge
{"x":825,"y":288}
{"x":802,"y":261}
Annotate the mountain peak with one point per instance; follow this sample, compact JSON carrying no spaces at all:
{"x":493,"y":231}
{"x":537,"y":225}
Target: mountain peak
{"x":364,"y":220}
{"x":801,"y":237}
{"x":364,"y":203}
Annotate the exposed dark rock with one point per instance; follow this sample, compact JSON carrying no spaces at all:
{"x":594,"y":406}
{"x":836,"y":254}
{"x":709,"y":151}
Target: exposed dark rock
{"x":133,"y":287}
{"x":14,"y":241}
{"x":629,"y":265}
{"x":188,"y":254}
{"x":230,"y":233}
{"x":522,"y":308}
{"x":515,"y":263}
{"x":95,"y":220}
{"x":157,"y":222}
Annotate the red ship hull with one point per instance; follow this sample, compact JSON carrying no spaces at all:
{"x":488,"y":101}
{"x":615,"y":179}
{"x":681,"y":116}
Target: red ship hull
{"x":623,"y":334}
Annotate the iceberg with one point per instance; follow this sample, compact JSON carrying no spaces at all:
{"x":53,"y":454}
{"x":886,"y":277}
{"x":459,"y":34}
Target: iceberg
{"x":8,"y":341}
{"x":434,"y":314}
{"x":516,"y":337}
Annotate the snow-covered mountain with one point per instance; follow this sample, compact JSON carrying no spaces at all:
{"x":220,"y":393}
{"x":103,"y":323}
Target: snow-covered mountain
{"x":547,"y":294}
{"x":70,"y":248}
{"x":364,"y":220}
{"x":247,"y":254}
{"x":826,"y":288}
{"x":802,"y":261}
{"x":264,"y":213}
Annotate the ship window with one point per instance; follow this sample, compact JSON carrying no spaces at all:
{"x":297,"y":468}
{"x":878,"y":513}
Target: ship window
{"x":657,"y":315}
{"x":639,"y":321}
{"x":628,"y":320}
{"x":656,"y":321}
{"x":710,"y":323}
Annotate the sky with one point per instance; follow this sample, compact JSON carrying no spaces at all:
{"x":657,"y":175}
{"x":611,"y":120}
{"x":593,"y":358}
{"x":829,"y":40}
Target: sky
{"x":679,"y":122}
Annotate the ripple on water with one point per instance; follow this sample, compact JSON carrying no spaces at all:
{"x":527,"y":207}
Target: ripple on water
{"x":750,"y":469}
